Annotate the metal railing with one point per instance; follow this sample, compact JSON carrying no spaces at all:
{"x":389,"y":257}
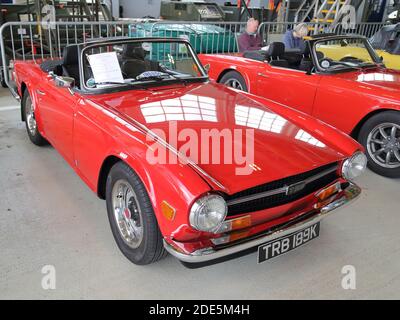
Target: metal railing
{"x":273,"y":30}
{"x":37,"y":41}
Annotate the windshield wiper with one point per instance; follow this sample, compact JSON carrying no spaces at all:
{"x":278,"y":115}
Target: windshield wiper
{"x":155,"y":77}
{"x":175,"y":76}
{"x":344,"y":64}
{"x":368,"y":65}
{"x":109,"y":83}
{"x":126,"y":84}
{"x":160,"y":78}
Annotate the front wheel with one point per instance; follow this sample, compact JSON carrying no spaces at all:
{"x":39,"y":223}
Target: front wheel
{"x":131,"y":215}
{"x":234,"y":80}
{"x":380,"y":136}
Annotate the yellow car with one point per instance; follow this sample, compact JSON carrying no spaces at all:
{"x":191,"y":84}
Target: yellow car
{"x":342,"y":52}
{"x":386,"y":43}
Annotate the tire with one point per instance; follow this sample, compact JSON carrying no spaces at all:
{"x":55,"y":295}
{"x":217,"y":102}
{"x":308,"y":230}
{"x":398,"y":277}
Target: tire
{"x":372,"y":137}
{"x":30,"y":121}
{"x":234,"y":80}
{"x":129,"y":209}
{"x":3,"y":83}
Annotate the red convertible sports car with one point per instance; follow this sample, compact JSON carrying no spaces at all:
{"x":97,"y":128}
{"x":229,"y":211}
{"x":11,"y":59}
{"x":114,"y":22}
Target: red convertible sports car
{"x":338,"y":79}
{"x":114,"y":108}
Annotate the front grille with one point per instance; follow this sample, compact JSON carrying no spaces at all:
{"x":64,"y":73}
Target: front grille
{"x":317,"y":180}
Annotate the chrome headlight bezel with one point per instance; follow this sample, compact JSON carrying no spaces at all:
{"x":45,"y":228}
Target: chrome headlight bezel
{"x":199,"y":208}
{"x":354,"y":166}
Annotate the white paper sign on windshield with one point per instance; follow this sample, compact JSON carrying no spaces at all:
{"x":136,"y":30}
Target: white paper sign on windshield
{"x":105,"y":67}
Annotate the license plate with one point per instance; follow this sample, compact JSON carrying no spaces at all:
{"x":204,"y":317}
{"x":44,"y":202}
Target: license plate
{"x":287,"y":243}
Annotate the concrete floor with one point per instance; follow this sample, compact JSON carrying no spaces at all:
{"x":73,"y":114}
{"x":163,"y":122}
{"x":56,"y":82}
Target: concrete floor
{"x":49,"y":217}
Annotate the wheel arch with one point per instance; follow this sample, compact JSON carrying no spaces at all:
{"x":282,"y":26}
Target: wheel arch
{"x":133,"y":163}
{"x":356,"y":131}
{"x":105,"y":168}
{"x":239,"y":71}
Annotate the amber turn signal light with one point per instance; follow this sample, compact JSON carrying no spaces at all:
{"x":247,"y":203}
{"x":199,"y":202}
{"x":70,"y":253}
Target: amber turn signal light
{"x":167,"y":210}
{"x":235,"y":224}
{"x":324,"y":195}
{"x":328,"y":192}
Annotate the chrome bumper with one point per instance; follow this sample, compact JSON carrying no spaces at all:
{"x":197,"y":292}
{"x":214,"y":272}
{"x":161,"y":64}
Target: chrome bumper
{"x":349,"y":194}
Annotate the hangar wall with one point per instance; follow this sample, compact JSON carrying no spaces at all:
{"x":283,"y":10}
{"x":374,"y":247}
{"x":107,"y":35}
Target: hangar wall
{"x":138,"y":10}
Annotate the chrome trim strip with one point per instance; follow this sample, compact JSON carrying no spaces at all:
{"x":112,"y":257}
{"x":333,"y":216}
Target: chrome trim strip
{"x":279,"y":190}
{"x":207,"y":254}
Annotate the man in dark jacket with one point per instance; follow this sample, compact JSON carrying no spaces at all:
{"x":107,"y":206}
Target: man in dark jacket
{"x":250,"y":39}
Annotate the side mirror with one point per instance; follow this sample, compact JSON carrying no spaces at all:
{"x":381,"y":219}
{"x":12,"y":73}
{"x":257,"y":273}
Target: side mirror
{"x":207,"y":67}
{"x":64,"y":82}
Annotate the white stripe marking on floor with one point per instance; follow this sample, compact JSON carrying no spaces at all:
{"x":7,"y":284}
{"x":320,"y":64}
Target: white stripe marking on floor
{"x":8,"y":108}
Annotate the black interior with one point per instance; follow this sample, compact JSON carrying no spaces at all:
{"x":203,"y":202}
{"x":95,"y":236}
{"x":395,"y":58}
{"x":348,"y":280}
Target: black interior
{"x":52,"y":66}
{"x":306,"y":63}
{"x":134,"y":62}
{"x":276,"y":55}
{"x":132,"y":59}
{"x":70,"y":65}
{"x":276,"y":52}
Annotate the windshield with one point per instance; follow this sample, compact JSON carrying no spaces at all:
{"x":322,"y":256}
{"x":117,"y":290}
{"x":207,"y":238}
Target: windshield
{"x":139,"y":63}
{"x":345,"y":53}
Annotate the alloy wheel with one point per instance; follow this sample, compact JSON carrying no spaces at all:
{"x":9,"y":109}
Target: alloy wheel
{"x":383,"y":144}
{"x":234,"y":83}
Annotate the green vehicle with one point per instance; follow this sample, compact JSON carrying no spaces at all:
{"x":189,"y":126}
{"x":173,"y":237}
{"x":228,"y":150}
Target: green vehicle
{"x":204,"y":38}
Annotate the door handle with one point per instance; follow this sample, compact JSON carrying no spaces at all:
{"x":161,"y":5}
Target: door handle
{"x":263,"y":75}
{"x":40,"y":92}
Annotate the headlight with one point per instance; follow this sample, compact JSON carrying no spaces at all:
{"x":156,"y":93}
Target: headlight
{"x":354,"y":166}
{"x":208,"y":213}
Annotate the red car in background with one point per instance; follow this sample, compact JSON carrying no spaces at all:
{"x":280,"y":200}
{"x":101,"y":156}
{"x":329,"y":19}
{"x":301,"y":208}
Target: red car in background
{"x":338,"y":79}
{"x":199,"y":211}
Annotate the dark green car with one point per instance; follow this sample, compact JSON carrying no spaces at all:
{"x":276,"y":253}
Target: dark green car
{"x":204,"y":38}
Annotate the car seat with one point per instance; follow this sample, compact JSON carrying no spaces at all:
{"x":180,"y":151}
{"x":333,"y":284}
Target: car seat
{"x":70,"y":65}
{"x":306,"y":63}
{"x":275,"y":55}
{"x":133,"y":60}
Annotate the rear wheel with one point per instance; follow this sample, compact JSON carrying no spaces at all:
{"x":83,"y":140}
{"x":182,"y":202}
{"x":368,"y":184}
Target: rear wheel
{"x":380,"y":136}
{"x":30,"y":121}
{"x":234,"y":80}
{"x":2,"y":66}
{"x":131,"y":215}
{"x":3,"y":82}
